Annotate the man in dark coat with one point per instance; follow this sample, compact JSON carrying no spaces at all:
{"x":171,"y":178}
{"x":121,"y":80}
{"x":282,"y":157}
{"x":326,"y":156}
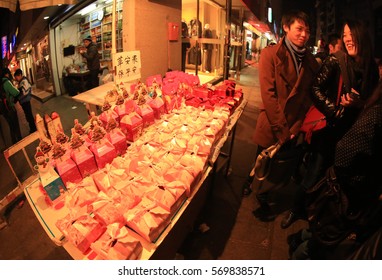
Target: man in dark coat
{"x":92,"y":59}
{"x":286,"y":73}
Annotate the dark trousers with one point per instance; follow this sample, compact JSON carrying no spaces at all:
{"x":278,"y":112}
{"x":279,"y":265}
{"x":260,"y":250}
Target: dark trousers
{"x":208,"y":59}
{"x":27,"y":108}
{"x":93,"y":79}
{"x":13,"y":122}
{"x":315,"y":170}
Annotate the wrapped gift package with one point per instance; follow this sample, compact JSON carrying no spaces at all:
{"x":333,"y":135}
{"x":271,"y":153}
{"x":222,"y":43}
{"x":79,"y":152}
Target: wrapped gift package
{"x":105,"y":210}
{"x":202,"y":92}
{"x":169,"y":198}
{"x":221,"y":91}
{"x":118,"y":243}
{"x":102,"y":181}
{"x":148,"y":219}
{"x":81,"y":194}
{"x":187,"y":175}
{"x":81,"y":230}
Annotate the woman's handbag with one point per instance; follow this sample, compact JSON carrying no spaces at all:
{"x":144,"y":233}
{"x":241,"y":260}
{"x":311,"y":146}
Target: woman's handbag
{"x":330,"y":220}
{"x":275,"y":166}
{"x":263,"y":162}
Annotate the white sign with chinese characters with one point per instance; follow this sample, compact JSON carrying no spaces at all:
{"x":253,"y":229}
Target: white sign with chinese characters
{"x":127,"y":66}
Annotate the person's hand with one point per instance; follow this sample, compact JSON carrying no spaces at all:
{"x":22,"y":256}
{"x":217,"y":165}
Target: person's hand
{"x":351,"y":99}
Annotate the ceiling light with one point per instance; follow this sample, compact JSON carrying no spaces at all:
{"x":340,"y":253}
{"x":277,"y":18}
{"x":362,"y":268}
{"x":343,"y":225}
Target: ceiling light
{"x":88,"y":9}
{"x":46,"y":17}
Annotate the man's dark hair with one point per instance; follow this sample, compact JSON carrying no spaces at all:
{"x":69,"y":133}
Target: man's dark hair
{"x":293,"y":15}
{"x":333,"y":39}
{"x":18,"y":72}
{"x":5,"y":71}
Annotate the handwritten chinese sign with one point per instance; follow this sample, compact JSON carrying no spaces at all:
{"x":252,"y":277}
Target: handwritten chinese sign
{"x":127,"y":66}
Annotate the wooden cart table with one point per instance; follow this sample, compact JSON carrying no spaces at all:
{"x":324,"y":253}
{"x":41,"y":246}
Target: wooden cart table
{"x":94,"y":97}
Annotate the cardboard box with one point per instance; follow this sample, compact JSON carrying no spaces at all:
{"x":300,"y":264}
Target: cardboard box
{"x":68,"y":171}
{"x":118,"y":139}
{"x":132,"y":126}
{"x":104,"y":152}
{"x":85,"y":161}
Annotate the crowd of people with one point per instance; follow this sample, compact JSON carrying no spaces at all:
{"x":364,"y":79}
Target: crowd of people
{"x":343,"y":83}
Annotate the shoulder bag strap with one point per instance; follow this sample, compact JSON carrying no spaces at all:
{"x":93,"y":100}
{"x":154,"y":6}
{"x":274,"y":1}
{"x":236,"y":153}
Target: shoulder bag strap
{"x":341,"y":56}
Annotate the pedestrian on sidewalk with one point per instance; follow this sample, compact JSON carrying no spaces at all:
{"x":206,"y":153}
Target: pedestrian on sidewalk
{"x":25,"y":96}
{"x":11,"y":94}
{"x":286,"y":72}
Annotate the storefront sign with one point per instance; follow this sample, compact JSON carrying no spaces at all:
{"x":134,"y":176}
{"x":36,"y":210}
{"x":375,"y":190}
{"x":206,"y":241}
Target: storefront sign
{"x":20,"y":55}
{"x":4,"y":47}
{"x":127,"y":66}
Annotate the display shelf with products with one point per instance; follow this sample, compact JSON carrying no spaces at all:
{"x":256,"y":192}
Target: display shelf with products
{"x":98,"y":25}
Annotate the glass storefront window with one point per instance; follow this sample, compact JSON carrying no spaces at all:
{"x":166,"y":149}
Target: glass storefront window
{"x":203,"y":38}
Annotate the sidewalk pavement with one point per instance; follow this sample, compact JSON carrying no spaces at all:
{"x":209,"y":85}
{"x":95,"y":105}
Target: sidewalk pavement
{"x":232,"y":231}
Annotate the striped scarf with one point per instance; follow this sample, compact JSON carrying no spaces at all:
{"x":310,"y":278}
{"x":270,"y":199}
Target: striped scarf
{"x":297,"y":54}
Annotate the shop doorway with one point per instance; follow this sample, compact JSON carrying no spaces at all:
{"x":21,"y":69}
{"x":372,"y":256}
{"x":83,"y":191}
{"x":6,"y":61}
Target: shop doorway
{"x":43,"y":77}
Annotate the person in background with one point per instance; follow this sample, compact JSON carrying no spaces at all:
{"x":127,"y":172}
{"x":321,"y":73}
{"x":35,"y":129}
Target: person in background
{"x":93,"y":63}
{"x":286,"y":72}
{"x":11,"y":93}
{"x":334,"y":45}
{"x":363,"y":77}
{"x":25,"y":96}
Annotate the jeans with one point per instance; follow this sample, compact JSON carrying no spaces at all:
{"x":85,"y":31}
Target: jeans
{"x":27,"y":108}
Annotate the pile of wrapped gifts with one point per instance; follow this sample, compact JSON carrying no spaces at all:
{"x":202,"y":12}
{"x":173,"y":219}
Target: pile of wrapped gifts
{"x":125,"y":173}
